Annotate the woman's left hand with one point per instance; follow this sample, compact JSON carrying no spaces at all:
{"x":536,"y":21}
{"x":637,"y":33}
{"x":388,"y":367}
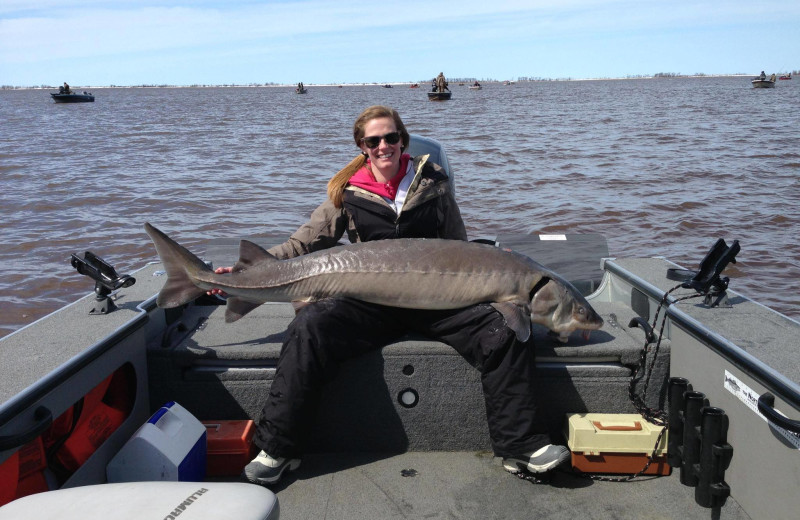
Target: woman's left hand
{"x":220,"y":292}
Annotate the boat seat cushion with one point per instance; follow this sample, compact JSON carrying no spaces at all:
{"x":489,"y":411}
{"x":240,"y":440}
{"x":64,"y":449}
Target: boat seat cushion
{"x":157,"y":500}
{"x":260,"y":335}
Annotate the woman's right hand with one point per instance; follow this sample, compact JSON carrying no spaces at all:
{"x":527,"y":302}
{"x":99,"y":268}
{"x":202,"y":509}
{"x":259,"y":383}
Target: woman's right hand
{"x":220,"y":292}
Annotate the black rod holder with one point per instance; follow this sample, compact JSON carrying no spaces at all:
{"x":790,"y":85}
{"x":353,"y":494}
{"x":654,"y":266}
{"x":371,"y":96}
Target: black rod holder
{"x":715,"y":457}
{"x":105,"y":277}
{"x":698,"y":443}
{"x":676,"y":389}
{"x":711,"y":267}
{"x":694,"y":402}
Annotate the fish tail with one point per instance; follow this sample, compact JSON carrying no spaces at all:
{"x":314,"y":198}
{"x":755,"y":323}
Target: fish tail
{"x":182,"y":268}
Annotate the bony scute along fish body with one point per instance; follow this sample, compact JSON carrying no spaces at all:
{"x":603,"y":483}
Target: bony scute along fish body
{"x":410,"y":273}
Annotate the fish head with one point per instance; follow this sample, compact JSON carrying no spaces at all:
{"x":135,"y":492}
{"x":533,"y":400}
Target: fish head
{"x":560,"y":307}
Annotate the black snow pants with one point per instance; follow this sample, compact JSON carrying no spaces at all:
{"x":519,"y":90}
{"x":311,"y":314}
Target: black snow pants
{"x":328,"y":332}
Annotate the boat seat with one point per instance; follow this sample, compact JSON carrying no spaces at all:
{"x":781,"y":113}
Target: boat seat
{"x":137,"y":500}
{"x":419,"y":145}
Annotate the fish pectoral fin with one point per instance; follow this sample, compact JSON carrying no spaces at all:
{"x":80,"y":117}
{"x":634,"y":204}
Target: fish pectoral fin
{"x":299,"y":304}
{"x":518,"y":318}
{"x":563,"y":337}
{"x":251,"y":254}
{"x":238,"y":307}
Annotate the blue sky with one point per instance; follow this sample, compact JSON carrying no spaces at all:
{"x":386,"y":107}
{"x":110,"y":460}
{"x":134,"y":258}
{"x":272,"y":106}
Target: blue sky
{"x":182,"y":42}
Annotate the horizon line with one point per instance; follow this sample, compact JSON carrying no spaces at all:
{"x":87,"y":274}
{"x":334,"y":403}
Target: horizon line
{"x":660,"y":75}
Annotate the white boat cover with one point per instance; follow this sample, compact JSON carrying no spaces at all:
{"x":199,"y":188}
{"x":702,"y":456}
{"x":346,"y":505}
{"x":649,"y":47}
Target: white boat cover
{"x":149,"y":501}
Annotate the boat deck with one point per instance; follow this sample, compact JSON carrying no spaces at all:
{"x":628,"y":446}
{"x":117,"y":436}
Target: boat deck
{"x":471,"y":485}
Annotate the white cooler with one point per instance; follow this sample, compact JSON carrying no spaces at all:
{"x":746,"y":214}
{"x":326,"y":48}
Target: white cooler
{"x":171,"y":445}
{"x":149,"y":501}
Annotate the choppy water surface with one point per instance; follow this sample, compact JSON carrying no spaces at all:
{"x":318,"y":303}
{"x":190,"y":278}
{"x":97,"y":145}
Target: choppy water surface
{"x":659,"y":167}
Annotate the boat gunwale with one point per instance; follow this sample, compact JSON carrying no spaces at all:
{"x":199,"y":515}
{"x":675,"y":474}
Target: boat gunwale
{"x":17,"y":404}
{"x":773,"y":380}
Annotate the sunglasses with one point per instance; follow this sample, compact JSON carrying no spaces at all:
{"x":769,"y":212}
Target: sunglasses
{"x":374,"y":140}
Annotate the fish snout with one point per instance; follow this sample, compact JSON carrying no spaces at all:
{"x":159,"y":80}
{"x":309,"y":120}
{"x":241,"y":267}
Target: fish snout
{"x":586,"y":318}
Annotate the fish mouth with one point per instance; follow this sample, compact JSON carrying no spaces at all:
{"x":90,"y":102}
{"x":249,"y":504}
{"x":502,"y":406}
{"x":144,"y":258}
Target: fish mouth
{"x":585,"y":329}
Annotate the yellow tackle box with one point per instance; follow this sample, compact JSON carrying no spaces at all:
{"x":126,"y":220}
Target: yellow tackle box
{"x":615,"y":443}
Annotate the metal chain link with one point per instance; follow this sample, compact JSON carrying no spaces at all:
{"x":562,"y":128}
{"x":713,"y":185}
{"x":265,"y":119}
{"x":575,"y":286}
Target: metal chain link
{"x":533,"y":478}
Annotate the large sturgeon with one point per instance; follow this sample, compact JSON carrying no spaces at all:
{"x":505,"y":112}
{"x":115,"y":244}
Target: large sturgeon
{"x":410,"y":273}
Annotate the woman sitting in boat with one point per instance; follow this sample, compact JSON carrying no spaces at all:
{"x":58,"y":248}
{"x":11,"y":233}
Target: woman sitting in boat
{"x":384,"y":194}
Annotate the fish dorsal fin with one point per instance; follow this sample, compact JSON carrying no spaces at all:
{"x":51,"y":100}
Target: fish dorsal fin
{"x":237,"y":307}
{"x":251,"y":254}
{"x":518,"y":318}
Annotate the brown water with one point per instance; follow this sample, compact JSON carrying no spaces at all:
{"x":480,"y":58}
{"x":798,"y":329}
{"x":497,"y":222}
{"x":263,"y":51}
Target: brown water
{"x":659,"y":167}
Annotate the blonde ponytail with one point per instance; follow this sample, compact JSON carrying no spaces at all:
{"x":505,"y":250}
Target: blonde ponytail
{"x":338,"y":182}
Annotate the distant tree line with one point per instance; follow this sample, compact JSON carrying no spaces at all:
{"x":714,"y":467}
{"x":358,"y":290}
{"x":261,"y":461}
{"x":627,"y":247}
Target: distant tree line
{"x":451,"y":80}
{"x":454,"y":80}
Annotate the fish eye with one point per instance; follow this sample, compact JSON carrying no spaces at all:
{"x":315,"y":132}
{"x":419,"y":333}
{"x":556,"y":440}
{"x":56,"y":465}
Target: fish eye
{"x":581,"y":310}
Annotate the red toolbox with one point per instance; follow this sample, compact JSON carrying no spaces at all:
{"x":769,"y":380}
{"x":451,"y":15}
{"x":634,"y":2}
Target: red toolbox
{"x":230,"y":447}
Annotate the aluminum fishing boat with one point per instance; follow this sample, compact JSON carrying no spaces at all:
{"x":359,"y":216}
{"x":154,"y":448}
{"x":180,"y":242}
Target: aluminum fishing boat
{"x":72,"y":97}
{"x":439,"y":96}
{"x":401,"y":432}
{"x":763,"y":82}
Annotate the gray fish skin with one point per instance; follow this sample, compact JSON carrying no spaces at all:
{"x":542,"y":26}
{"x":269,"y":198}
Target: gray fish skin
{"x":409,"y":273}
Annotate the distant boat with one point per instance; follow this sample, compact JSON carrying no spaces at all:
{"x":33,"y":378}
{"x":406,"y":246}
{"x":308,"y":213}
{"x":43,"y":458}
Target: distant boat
{"x":415,"y":85}
{"x":301,"y":90}
{"x":762,"y":82}
{"x":475,"y":86}
{"x":439,"y":96}
{"x":73,"y":97}
{"x":786,"y":76}
{"x":387,"y":86}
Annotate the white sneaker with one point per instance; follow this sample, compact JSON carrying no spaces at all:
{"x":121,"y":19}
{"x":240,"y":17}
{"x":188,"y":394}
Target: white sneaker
{"x":541,"y":460}
{"x":265,"y":470}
